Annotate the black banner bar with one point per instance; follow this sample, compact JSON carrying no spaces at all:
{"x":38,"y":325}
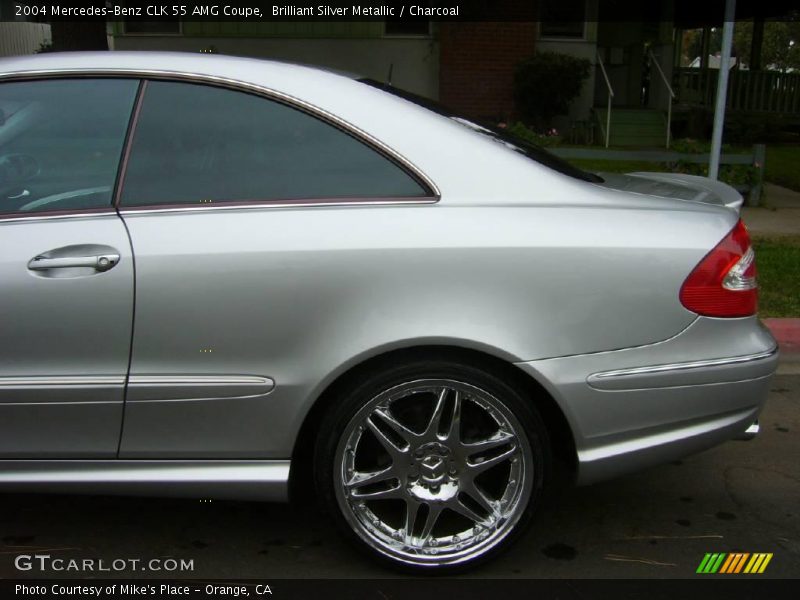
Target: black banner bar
{"x":706,"y":11}
{"x":707,"y":588}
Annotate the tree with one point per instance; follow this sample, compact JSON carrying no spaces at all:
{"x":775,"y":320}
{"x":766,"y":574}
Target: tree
{"x":780,"y":48}
{"x":691,"y":45}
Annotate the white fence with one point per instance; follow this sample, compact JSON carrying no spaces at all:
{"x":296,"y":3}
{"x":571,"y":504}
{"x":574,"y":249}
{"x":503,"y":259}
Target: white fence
{"x":23,"y":38}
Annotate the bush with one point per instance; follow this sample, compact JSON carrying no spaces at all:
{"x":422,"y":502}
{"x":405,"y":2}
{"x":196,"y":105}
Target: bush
{"x":550,"y":138}
{"x":735,"y":175}
{"x":744,"y":128}
{"x":739,"y":128}
{"x":546,"y":84}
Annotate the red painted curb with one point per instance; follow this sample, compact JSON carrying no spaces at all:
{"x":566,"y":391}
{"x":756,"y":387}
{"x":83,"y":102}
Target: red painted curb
{"x":786,"y":332}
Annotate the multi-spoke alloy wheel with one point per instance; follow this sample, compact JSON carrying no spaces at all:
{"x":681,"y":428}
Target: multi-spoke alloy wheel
{"x":433,"y":472}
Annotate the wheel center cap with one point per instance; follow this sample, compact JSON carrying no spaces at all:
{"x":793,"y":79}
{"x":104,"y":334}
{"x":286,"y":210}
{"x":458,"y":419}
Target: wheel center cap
{"x":433,"y":466}
{"x":432,"y":469}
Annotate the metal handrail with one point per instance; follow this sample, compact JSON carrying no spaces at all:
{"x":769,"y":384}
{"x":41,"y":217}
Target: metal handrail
{"x":610,"y":96}
{"x":654,"y":60}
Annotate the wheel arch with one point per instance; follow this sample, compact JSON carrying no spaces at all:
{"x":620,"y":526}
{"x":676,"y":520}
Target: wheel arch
{"x":562,"y":438}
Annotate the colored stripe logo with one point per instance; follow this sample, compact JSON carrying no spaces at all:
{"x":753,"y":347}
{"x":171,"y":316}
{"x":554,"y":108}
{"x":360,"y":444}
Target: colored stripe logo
{"x":734,"y":562}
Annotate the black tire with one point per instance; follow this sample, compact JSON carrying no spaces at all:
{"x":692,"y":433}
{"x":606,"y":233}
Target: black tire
{"x":330,"y":460}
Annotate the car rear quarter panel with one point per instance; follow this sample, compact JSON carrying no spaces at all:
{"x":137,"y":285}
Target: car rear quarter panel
{"x":301,"y":294}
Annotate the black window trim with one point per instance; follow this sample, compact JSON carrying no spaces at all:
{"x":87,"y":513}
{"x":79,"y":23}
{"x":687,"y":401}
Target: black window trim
{"x":432,"y":193}
{"x":133,"y":120}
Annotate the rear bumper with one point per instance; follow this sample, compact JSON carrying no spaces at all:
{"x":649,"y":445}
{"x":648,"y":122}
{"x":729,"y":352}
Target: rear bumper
{"x":637,"y":407}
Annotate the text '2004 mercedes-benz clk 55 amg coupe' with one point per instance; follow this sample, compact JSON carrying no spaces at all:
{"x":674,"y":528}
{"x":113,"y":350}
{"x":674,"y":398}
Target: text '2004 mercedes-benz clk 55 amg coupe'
{"x":230,"y":278}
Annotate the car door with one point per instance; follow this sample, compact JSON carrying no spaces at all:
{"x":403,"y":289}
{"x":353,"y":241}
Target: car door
{"x":66,"y":268}
{"x":229,"y":283}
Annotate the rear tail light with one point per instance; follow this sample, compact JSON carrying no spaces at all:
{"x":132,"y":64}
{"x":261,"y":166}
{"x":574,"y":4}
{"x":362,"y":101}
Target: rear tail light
{"x":724,"y":283}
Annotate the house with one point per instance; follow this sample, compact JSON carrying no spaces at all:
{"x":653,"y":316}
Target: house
{"x":18,"y":33}
{"x":636,"y":85}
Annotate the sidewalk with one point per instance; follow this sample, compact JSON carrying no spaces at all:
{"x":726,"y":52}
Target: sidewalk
{"x":780,"y":214}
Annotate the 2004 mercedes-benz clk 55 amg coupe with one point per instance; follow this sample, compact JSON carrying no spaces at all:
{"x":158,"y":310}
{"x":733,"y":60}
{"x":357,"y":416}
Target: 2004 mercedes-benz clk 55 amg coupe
{"x":223,"y":276}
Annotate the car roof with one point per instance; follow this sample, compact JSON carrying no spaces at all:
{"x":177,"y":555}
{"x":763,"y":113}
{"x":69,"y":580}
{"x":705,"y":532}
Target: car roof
{"x":254,"y":70}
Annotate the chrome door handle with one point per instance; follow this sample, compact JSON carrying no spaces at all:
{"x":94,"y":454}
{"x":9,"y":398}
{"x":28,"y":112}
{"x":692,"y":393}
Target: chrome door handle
{"x":101,"y":262}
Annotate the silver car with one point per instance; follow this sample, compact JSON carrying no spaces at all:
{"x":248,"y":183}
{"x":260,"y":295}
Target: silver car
{"x":232,"y":278}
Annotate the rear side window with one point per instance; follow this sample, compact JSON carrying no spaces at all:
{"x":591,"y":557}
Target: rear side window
{"x":198,"y":144}
{"x":61,"y":141}
{"x":492,"y":131}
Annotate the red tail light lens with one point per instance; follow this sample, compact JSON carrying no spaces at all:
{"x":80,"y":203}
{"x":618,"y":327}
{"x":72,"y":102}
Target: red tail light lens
{"x":724,"y":283}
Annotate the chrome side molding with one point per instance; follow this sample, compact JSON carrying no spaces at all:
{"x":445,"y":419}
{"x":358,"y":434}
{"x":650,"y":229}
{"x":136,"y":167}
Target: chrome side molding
{"x":698,"y":372}
{"x":143,"y":388}
{"x":62,"y":381}
{"x":683,"y":366}
{"x":266,"y":480}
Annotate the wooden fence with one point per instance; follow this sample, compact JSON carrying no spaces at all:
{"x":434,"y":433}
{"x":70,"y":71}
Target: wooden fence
{"x":18,"y":38}
{"x":748,"y":91}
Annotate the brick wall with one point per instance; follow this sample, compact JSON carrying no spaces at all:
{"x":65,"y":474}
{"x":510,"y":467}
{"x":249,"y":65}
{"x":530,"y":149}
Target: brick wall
{"x":477,"y":62}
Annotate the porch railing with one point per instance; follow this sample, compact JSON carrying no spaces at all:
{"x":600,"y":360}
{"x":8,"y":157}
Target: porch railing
{"x":610,"y":97}
{"x":753,"y":91}
{"x":654,"y":61}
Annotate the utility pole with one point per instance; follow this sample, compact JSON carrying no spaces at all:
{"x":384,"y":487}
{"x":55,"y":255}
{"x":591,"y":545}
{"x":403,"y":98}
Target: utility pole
{"x":722,"y":89}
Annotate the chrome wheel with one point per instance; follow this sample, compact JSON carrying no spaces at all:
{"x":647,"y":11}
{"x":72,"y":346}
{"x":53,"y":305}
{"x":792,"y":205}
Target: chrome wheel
{"x":433,"y":472}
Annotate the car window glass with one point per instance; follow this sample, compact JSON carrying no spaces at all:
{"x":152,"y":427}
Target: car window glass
{"x":61,"y":141}
{"x":198,"y":144}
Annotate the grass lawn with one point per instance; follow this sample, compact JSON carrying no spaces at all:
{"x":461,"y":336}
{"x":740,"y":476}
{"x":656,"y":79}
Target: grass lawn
{"x":783,"y":166}
{"x":778,"y":264}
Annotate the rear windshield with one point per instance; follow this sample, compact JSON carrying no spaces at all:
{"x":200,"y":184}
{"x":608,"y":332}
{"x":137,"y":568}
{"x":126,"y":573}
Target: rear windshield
{"x":532,"y":151}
